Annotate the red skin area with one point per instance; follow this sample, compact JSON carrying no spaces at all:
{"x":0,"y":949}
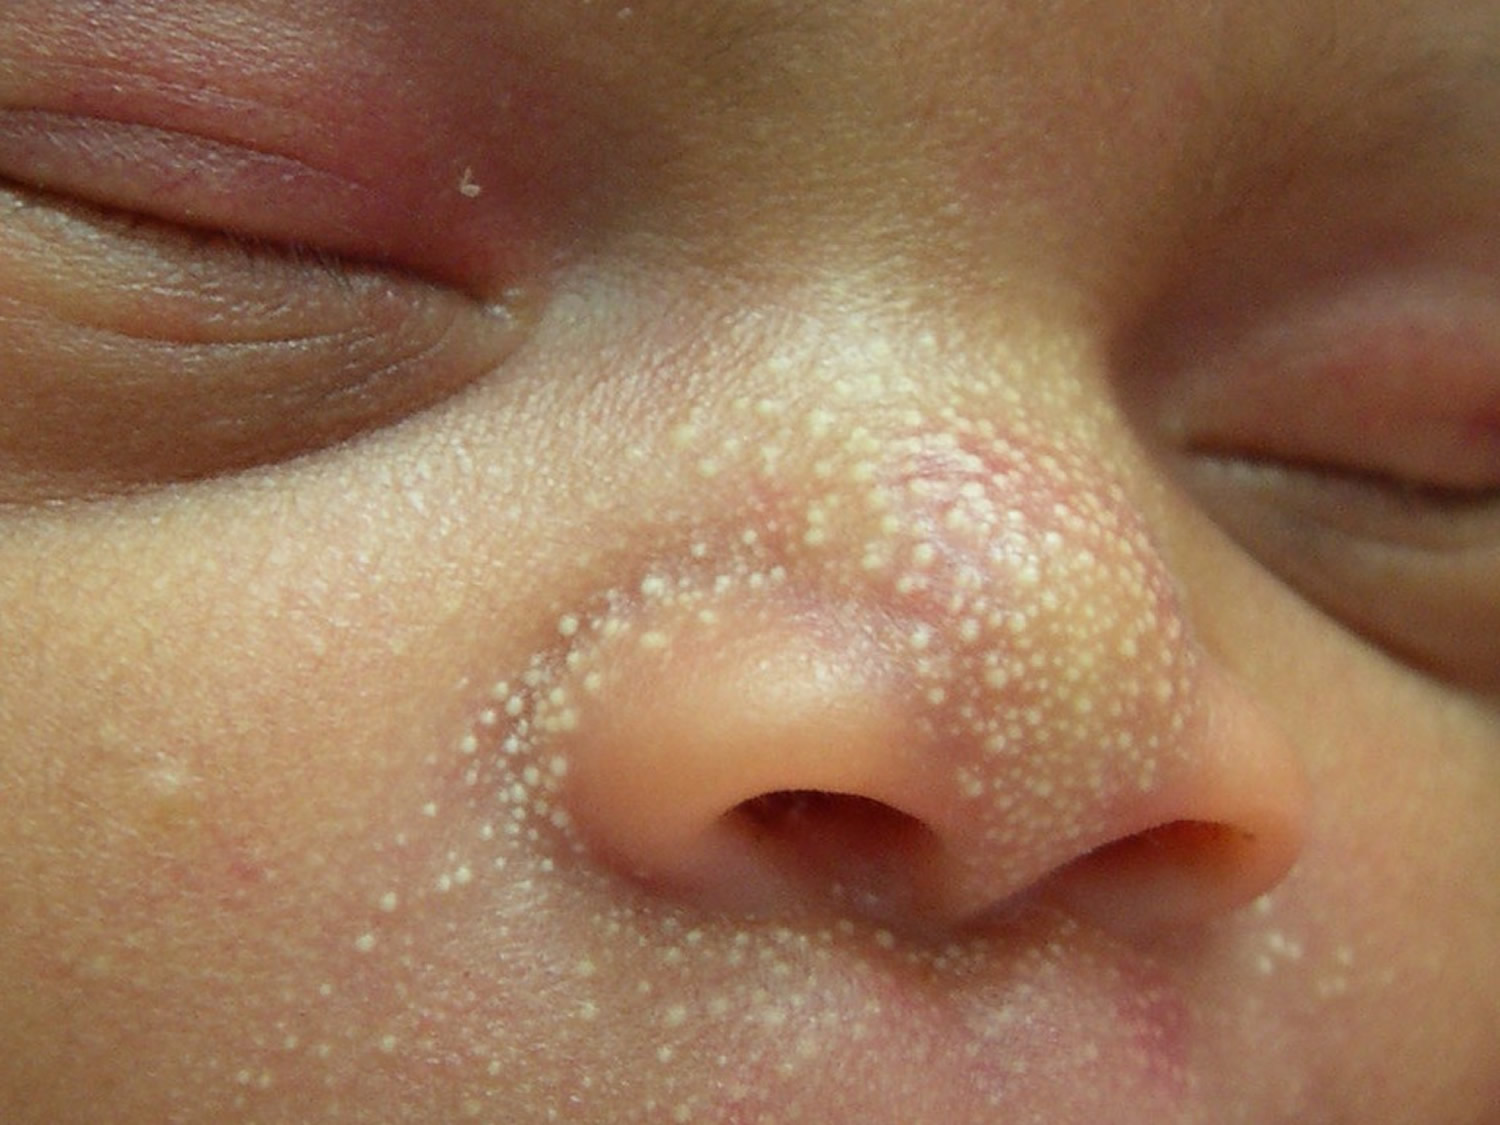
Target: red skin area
{"x":308,"y":138}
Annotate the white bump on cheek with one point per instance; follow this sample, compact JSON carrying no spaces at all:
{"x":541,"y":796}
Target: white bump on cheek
{"x":821,"y":423}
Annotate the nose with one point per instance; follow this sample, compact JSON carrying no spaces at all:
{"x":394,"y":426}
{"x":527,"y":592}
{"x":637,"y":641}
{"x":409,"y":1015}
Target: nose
{"x":950,"y":680}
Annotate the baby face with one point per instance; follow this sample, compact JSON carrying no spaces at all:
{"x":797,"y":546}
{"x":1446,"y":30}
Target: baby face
{"x":740,"y":561}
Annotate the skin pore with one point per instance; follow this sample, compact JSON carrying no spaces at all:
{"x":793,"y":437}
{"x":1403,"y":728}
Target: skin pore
{"x":749,"y":561}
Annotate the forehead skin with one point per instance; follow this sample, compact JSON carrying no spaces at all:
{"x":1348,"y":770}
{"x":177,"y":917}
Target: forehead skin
{"x":242,"y":873}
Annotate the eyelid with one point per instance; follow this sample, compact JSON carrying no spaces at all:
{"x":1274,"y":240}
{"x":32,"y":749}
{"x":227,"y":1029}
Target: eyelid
{"x":186,"y":179}
{"x":1340,"y":425}
{"x":360,"y":130}
{"x":1395,"y":379}
{"x":1357,"y":508}
{"x":1421,"y":582}
{"x":134,"y":354}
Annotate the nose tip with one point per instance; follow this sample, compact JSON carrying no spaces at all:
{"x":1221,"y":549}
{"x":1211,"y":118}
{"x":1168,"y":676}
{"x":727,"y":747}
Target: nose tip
{"x":955,"y":682}
{"x":752,"y":761}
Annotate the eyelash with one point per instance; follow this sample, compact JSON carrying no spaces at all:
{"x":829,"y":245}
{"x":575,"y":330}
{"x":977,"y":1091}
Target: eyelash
{"x":1411,"y":565}
{"x":140,"y":352}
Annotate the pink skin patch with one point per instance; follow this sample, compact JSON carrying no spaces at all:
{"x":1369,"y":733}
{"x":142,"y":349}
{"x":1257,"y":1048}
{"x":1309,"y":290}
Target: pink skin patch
{"x":361,"y":148}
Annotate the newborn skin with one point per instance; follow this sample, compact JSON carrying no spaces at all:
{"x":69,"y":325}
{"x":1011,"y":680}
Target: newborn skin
{"x":747,"y":562}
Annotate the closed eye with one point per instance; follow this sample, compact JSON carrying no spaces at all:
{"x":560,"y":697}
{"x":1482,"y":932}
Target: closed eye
{"x":136,"y":353}
{"x":1344,"y":432}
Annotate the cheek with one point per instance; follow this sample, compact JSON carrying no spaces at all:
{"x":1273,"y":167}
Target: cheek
{"x":1414,"y":796}
{"x":206,"y":751}
{"x":1387,"y":923}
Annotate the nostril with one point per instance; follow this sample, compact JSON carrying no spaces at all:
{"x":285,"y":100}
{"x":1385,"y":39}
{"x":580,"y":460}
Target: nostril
{"x":823,"y":819}
{"x":1190,"y":849}
{"x":1170,"y":874}
{"x":858,"y":852}
{"x":831,"y":831}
